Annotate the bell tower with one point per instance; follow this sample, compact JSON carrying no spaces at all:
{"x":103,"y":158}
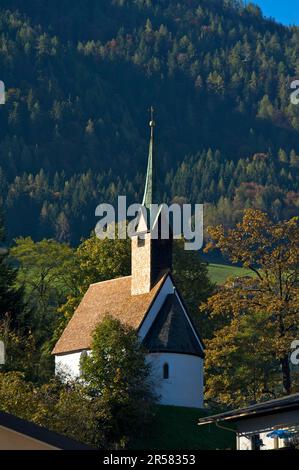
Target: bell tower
{"x":151,"y":254}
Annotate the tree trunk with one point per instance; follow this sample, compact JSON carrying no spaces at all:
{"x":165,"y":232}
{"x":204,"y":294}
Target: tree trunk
{"x":286,"y":374}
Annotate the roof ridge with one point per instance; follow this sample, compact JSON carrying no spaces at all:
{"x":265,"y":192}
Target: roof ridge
{"x":119,"y":302}
{"x":256,"y":408}
{"x":40,"y":433}
{"x":110,"y":280}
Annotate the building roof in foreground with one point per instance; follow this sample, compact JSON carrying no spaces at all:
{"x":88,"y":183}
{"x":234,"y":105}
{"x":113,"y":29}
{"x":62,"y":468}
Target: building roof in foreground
{"x":171,"y":331}
{"x":287,"y":403}
{"x":39,"y":433}
{"x":111,"y":297}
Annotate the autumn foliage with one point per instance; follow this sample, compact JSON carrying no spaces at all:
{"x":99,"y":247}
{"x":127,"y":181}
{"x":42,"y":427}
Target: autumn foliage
{"x":256,"y":318}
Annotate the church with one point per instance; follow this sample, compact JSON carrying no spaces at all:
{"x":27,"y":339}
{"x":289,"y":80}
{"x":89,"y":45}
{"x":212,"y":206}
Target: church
{"x":150,"y":302}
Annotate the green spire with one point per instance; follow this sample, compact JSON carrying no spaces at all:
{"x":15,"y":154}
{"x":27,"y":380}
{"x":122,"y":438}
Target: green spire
{"x":150,"y":192}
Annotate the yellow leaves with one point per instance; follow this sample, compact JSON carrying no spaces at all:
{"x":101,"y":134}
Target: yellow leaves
{"x":257,"y":241}
{"x":99,"y":260}
{"x":16,"y":395}
{"x":270,"y":249}
{"x":209,"y":246}
{"x":20,"y":349}
{"x":255,"y":319}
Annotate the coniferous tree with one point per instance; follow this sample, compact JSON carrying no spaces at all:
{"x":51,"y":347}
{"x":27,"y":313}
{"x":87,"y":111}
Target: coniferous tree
{"x":12,"y":308}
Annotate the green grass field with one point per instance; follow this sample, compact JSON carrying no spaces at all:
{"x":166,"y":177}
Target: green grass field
{"x":219,"y":273}
{"x":175,"y":428}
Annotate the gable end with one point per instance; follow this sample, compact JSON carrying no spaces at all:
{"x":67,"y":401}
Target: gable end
{"x":171,"y":331}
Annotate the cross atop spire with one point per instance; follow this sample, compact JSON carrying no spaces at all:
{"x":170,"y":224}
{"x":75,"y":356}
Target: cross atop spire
{"x":150,"y":192}
{"x":152,"y":122}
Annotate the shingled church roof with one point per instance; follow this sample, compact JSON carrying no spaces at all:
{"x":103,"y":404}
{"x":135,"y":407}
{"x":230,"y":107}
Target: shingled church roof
{"x":171,"y":331}
{"x":111,"y":297}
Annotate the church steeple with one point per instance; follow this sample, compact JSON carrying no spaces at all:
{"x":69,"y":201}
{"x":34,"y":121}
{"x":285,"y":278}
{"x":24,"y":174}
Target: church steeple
{"x":150,"y":192}
{"x":151,"y":252}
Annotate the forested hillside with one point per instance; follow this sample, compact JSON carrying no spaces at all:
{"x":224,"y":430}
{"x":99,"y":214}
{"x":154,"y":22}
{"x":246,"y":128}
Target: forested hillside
{"x":80,"y":77}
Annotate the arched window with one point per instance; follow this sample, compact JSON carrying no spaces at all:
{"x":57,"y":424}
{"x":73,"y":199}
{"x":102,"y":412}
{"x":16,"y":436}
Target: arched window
{"x":165,"y":371}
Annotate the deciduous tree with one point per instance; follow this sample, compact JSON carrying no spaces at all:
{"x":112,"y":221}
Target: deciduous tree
{"x":256,"y":318}
{"x":118,"y":376}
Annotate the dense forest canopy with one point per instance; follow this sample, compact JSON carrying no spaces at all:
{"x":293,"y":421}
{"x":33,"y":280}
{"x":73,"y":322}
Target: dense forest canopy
{"x":80,"y":77}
